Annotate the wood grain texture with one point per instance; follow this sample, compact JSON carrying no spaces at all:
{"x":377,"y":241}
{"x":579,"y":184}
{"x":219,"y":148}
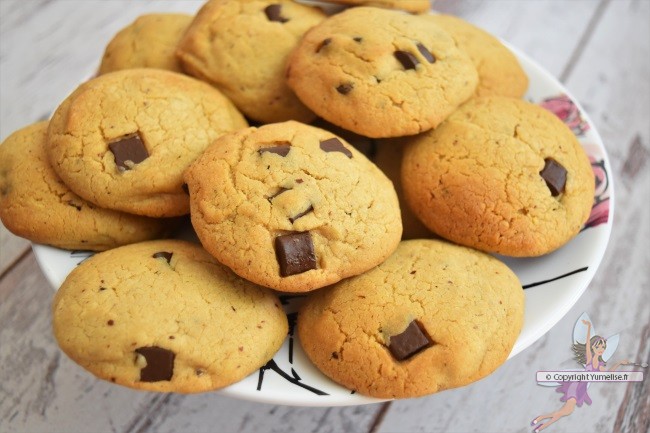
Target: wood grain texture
{"x":601,"y":50}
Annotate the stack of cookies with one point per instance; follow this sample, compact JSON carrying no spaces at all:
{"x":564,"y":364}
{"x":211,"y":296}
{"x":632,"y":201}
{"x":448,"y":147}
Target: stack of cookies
{"x":457,"y":163}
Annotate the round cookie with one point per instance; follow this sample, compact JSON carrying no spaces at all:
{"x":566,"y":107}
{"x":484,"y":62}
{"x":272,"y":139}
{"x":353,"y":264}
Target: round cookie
{"x":242,"y":46}
{"x":499,"y":71}
{"x":36,"y":205}
{"x":433,"y":316}
{"x":149,"y":42}
{"x":123,"y":139}
{"x":292,"y":207}
{"x":415,"y":6}
{"x":380,"y":73}
{"x":165,"y":316}
{"x":490,"y":177}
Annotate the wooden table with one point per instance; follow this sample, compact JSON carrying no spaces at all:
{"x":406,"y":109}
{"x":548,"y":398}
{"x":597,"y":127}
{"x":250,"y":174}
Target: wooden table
{"x":600,"y":49}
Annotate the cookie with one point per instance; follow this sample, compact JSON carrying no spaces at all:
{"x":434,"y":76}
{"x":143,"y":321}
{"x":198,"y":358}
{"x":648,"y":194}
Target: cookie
{"x":499,"y":71}
{"x":380,"y":73}
{"x":241,"y":47}
{"x":416,"y":6}
{"x":433,"y":316}
{"x":388,"y":157}
{"x":292,"y":207}
{"x":122,"y":140}
{"x":149,"y":42}
{"x":36,"y":205}
{"x":165,"y":316}
{"x":501,"y":175}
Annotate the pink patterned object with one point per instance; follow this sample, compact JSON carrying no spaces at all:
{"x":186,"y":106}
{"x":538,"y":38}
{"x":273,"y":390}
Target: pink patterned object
{"x":568,"y":112}
{"x":600,"y":209}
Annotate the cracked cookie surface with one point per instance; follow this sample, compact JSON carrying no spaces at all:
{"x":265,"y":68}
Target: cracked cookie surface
{"x":242,"y":46}
{"x":477,"y":179}
{"x":292,"y":207}
{"x":123,"y":139}
{"x":433,"y":316}
{"x":165,"y":316}
{"x":37,"y":205}
{"x":380,"y":73}
{"x":499,"y":71}
{"x":149,"y":42}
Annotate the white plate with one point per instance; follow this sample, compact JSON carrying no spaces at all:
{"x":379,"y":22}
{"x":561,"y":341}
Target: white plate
{"x":555,"y":281}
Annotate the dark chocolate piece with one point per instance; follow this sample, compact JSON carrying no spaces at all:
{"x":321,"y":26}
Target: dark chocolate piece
{"x":280,"y":191}
{"x":128,"y":151}
{"x":274,"y":13}
{"x":346,"y":88}
{"x":164,"y":254}
{"x":408,"y":60}
{"x":160,"y":364}
{"x":302,"y":214}
{"x":554,"y":174}
{"x":335,"y":145}
{"x":426,"y":53}
{"x":409,"y":342}
{"x":358,"y":39}
{"x":323,"y":44}
{"x":295,"y":253}
{"x":282,"y":149}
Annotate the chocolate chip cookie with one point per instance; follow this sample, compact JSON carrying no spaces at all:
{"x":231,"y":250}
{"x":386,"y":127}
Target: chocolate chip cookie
{"x":37,"y":205}
{"x":242,"y":46}
{"x":501,"y":175}
{"x":380,"y":73}
{"x":165,"y":316}
{"x":149,"y":42}
{"x":292,"y":207}
{"x":122,"y":140}
{"x":499,"y":71}
{"x":433,"y":316}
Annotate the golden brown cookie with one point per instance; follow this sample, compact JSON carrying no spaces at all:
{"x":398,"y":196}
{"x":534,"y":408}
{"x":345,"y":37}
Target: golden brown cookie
{"x":388,"y":157}
{"x":380,"y":73}
{"x":149,"y":42}
{"x":501,"y":175}
{"x":36,"y":205}
{"x":416,"y":6}
{"x":433,"y":316}
{"x":292,"y":207}
{"x":122,"y":140}
{"x":499,"y":71}
{"x":165,"y":316}
{"x":241,"y":47}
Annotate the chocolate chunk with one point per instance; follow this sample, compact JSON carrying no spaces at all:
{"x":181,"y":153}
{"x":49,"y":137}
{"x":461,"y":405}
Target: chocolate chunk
{"x":323,"y":44}
{"x":295,"y":253}
{"x":186,"y":188}
{"x":335,"y":145}
{"x":302,"y":214}
{"x":280,"y":191}
{"x":281,"y":150}
{"x":346,"y":88}
{"x":409,"y":342}
{"x":426,"y":53}
{"x":408,"y":60}
{"x":358,"y":39}
{"x":274,"y":13}
{"x":128,"y":151}
{"x":554,"y":175}
{"x":160,"y":364}
{"x":164,"y":254}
